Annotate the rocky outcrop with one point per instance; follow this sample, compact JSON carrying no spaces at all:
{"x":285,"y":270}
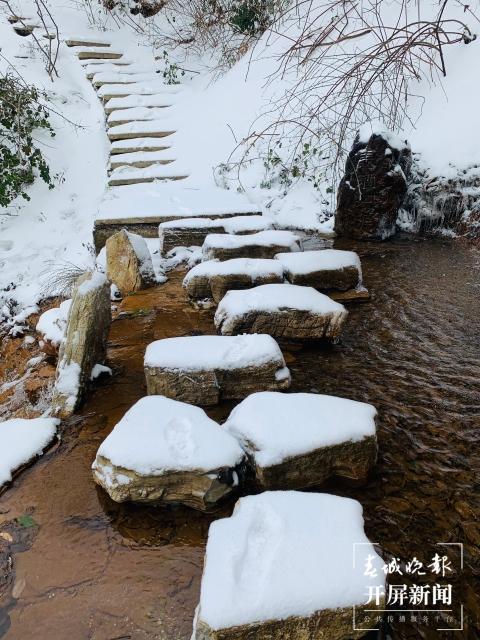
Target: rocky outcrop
{"x":373,"y":188}
{"x":206,"y":369}
{"x":129,"y":264}
{"x":282,"y":311}
{"x":85,"y":341}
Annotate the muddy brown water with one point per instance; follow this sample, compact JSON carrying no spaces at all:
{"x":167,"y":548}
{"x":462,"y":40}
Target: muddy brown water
{"x":93,"y":569}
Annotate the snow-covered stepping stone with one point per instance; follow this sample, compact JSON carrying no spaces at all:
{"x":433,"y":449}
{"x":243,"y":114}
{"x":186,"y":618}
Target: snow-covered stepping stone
{"x":298,"y":440}
{"x":21,"y":441}
{"x":160,"y":100}
{"x":127,"y":174}
{"x":92,"y":69}
{"x":134,"y":114}
{"x":193,"y":231}
{"x":265,"y":244}
{"x":167,"y":452}
{"x":142,"y":129}
{"x":206,"y":369}
{"x":212,"y":279}
{"x":139,"y":144}
{"x":327,"y":269}
{"x":281,"y":568}
{"x":109,"y":77}
{"x":129,"y":263}
{"x":281,"y":310}
{"x":97,"y":53}
{"x":80,"y":41}
{"x":108,"y":91}
{"x":141,"y":159}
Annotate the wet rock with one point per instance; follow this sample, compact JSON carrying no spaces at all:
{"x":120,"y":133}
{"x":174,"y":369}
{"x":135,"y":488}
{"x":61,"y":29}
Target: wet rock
{"x":85,"y":341}
{"x":168,"y":452}
{"x":212,"y":279}
{"x":282,"y":311}
{"x":129,"y":264}
{"x":335,"y":437}
{"x":280,"y":568}
{"x":373,"y":188}
{"x":265,"y":244}
{"x":206,"y":369}
{"x":326,"y":269}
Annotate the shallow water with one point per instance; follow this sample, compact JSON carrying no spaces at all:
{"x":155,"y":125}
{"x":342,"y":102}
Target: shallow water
{"x":101,"y":571}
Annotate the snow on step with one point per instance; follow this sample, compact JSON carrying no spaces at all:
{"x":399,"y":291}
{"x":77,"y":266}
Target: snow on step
{"x":137,"y":113}
{"x":131,"y":175}
{"x":298,"y":440}
{"x":139,"y":144}
{"x":265,"y":244}
{"x":108,"y":91}
{"x":94,"y":68}
{"x":51,"y":326}
{"x":108,"y":77}
{"x":165,"y":452}
{"x":326,"y":269}
{"x":97,"y":53}
{"x":212,"y":279}
{"x":206,"y":369}
{"x":281,"y":567}
{"x":141,"y":159}
{"x":157,"y":100}
{"x":193,"y":231}
{"x":81,"y":41}
{"x":21,"y":441}
{"x":143,"y":129}
{"x":282,"y":311}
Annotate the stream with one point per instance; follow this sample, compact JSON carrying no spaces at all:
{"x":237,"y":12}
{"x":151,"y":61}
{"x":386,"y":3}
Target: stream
{"x":89,"y":568}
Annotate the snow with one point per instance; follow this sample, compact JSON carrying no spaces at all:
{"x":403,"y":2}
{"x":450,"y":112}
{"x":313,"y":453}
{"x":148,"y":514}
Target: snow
{"x":197,"y":353}
{"x":137,"y":113}
{"x":96,"y":281}
{"x":190,"y":223}
{"x":97,"y":371}
{"x":158,"y":435}
{"x":158,"y":125}
{"x":134,"y":144}
{"x":274,"y":298}
{"x":267,"y":424}
{"x":379,"y":129}
{"x":325,"y":260}
{"x":155,"y":171}
{"x":130,"y":102}
{"x":143,"y":254}
{"x":136,"y":88}
{"x":113,"y":78}
{"x":282,"y":554}
{"x":245,"y":224}
{"x":68,"y":382}
{"x":255,"y":268}
{"x":262,"y":238}
{"x":52,"y":323}
{"x":21,"y":440}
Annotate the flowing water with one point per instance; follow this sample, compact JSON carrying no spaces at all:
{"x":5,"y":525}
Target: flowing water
{"x":92,"y":569}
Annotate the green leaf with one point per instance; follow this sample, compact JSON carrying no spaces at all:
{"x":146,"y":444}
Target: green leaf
{"x":27,"y":521}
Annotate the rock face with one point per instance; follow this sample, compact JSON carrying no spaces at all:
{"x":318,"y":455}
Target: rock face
{"x":212,"y":279}
{"x":167,"y":452}
{"x":265,"y":244}
{"x":335,"y":437}
{"x":85,"y":341}
{"x":129,"y":264}
{"x":280,"y":568}
{"x":374,"y":185}
{"x":324,"y":270}
{"x":282,"y":311}
{"x":206,"y":369}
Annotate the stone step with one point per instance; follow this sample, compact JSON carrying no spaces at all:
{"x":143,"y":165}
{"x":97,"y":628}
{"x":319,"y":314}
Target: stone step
{"x":326,"y":269}
{"x":334,"y":437}
{"x":140,"y":159}
{"x":136,"y":114}
{"x":138,"y":144}
{"x":140,"y":209}
{"x":145,"y":129}
{"x":165,"y":452}
{"x":282,"y":311}
{"x":280,"y":567}
{"x":265,"y":244}
{"x":86,"y":42}
{"x":149,"y":102}
{"x":193,"y":231}
{"x":107,"y":77}
{"x":98,"y":54}
{"x":92,"y":69}
{"x":214,"y":279}
{"x":109,"y":91}
{"x":206,"y":369}
{"x":131,"y":175}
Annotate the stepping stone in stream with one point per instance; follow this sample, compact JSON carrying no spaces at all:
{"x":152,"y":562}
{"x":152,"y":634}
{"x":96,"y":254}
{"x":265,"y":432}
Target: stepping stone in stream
{"x":212,"y":279}
{"x":299,"y":440}
{"x":99,"y":53}
{"x":206,"y":369}
{"x":129,"y":264}
{"x":282,"y":311}
{"x":189,"y":232}
{"x":265,"y":244}
{"x":326,"y":269}
{"x":280,"y":568}
{"x":167,"y":452}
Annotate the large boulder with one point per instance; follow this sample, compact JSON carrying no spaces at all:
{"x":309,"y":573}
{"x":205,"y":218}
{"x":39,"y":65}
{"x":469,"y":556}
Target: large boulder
{"x":264,"y":244}
{"x":85,"y":342}
{"x":280,"y":568}
{"x":335,"y":437}
{"x":282,"y":311}
{"x":373,"y":188}
{"x":129,"y":264}
{"x":212,"y":279}
{"x":166,"y":452}
{"x":206,"y":369}
{"x":326,"y":269}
